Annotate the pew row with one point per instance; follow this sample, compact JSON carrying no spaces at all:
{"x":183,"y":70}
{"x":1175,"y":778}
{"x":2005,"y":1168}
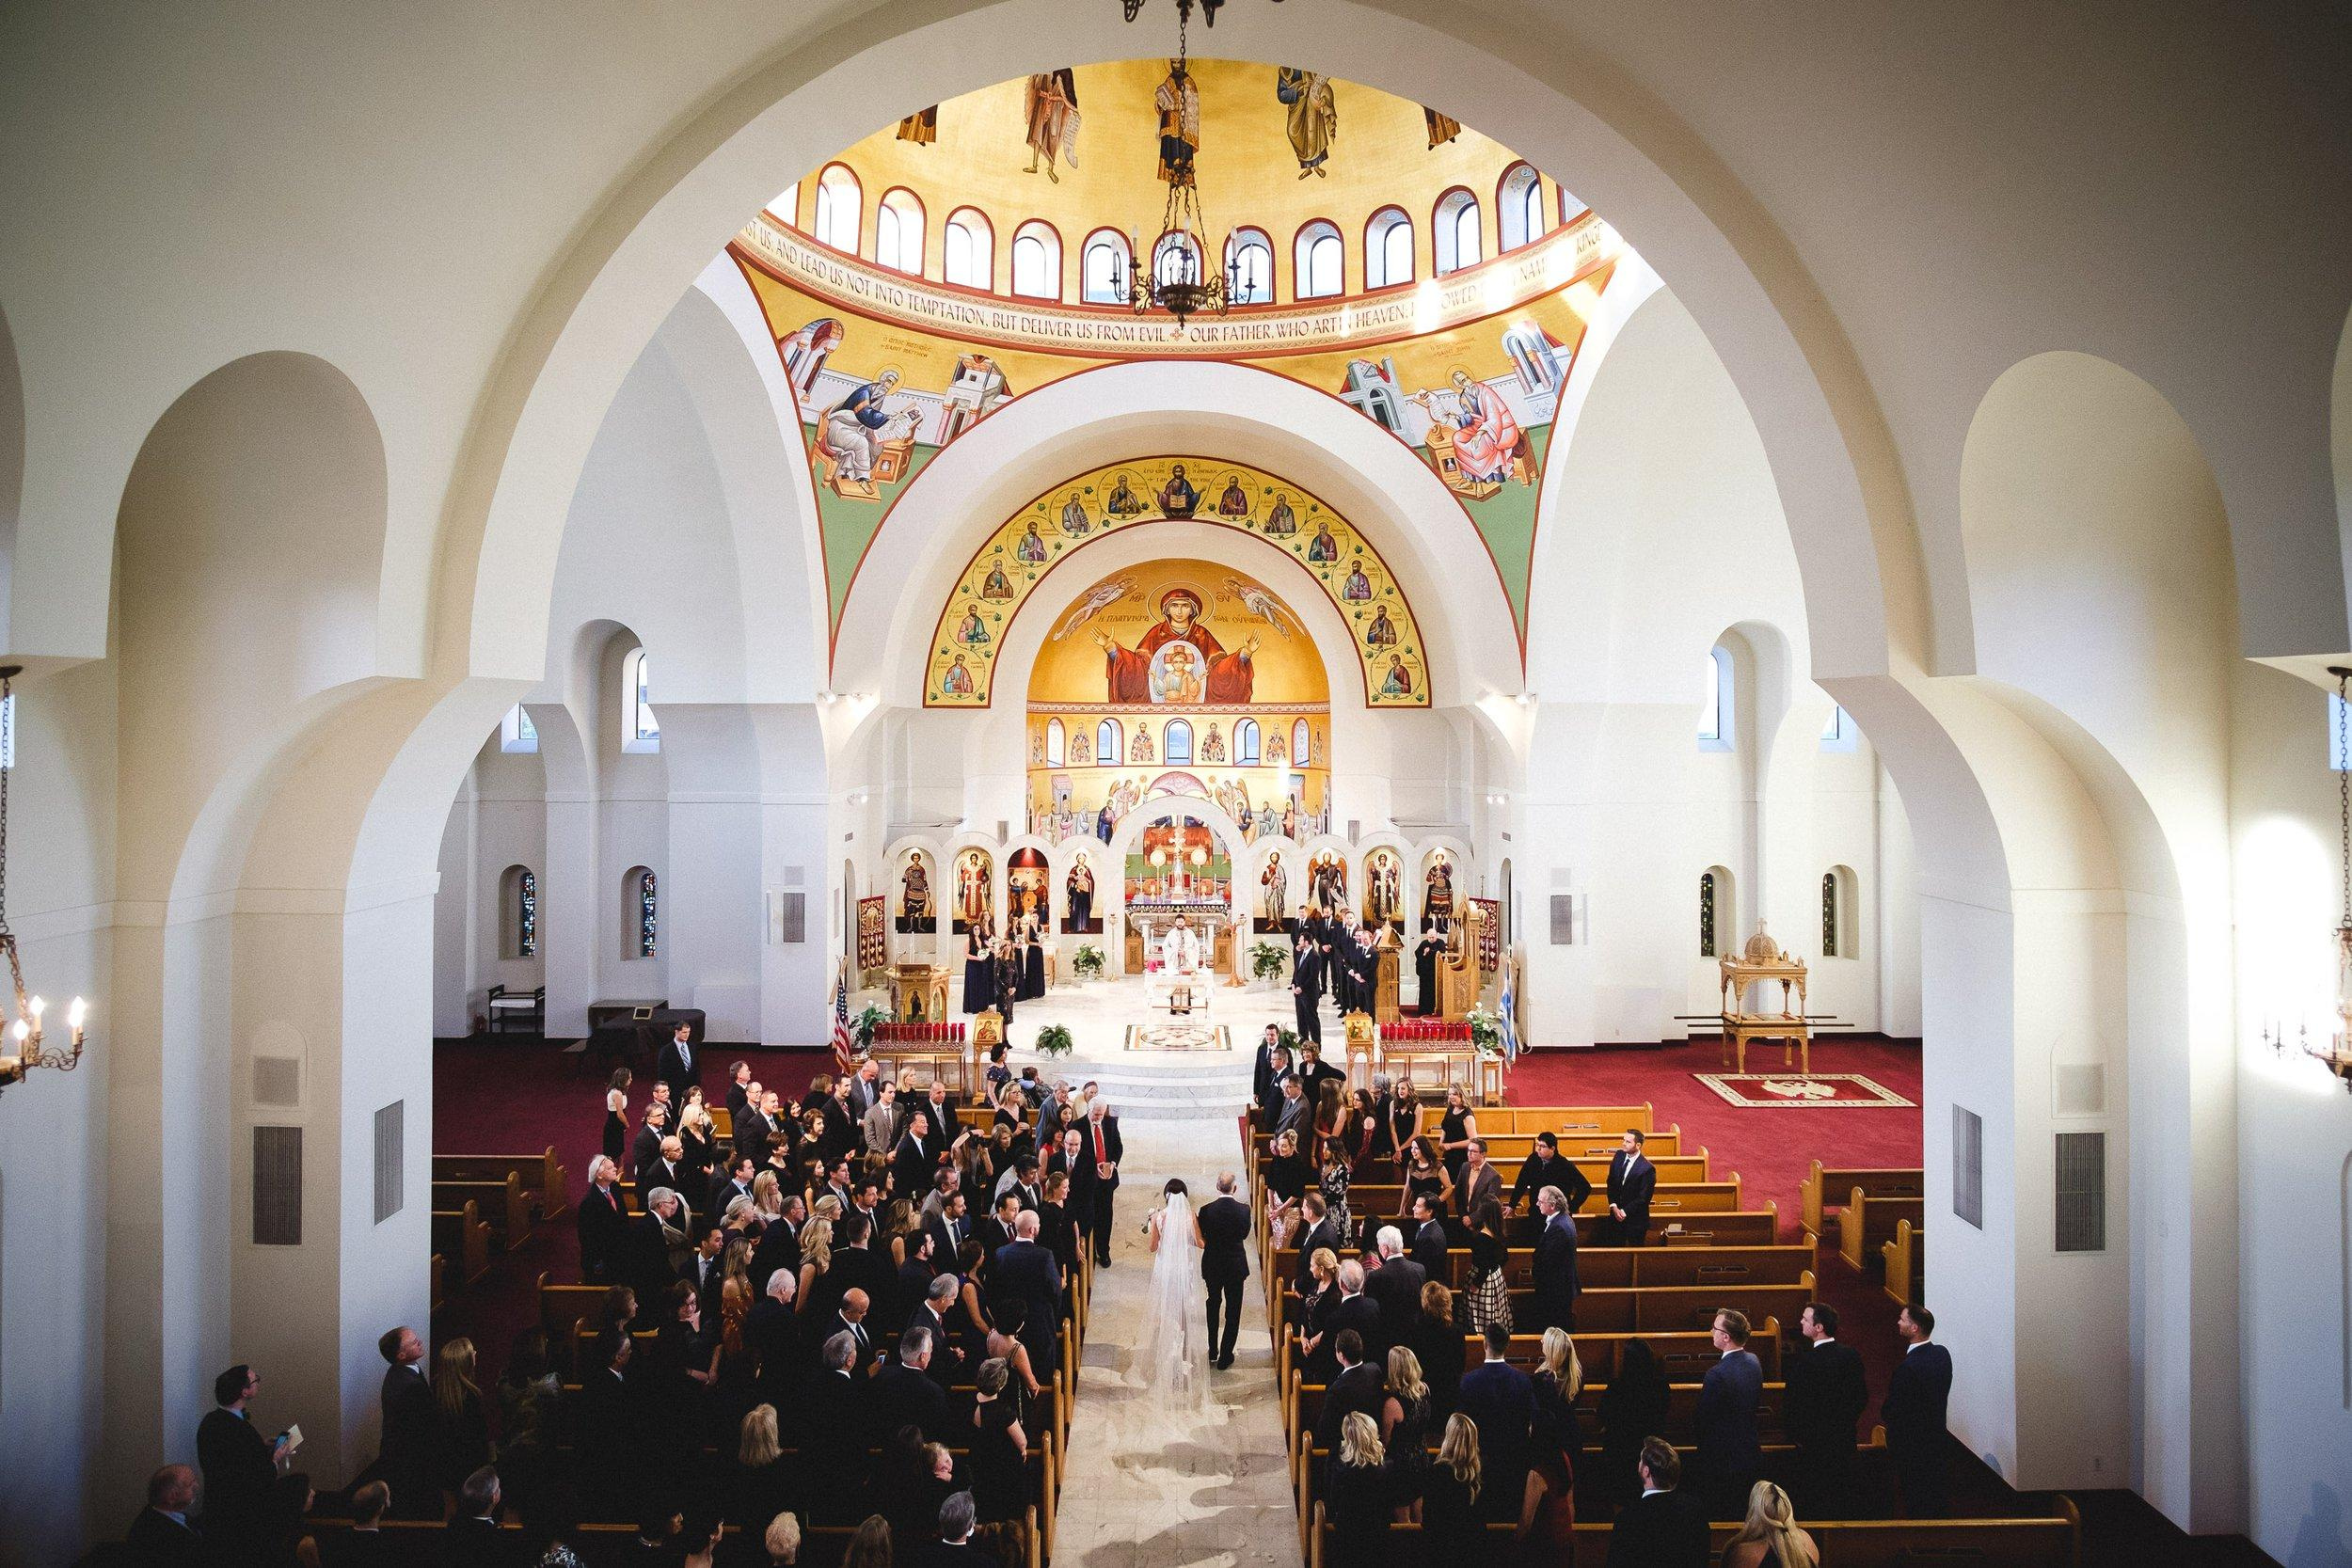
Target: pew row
{"x":1906,"y":1258}
{"x":1822,"y":1189}
{"x":503,"y":1205}
{"x":1866,"y":1224}
{"x":460,"y":1233}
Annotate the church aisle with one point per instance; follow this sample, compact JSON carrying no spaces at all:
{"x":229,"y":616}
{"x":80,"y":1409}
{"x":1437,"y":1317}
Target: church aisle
{"x":1141,"y":1491}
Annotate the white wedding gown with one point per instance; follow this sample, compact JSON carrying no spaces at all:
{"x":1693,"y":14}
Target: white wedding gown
{"x":1172,"y":1360}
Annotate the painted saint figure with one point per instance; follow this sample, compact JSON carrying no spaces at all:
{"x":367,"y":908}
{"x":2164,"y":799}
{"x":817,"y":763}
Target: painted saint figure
{"x":1486,"y":437}
{"x":1233,"y":502}
{"x":1177,"y":496}
{"x":1141,"y":750}
{"x":1313,"y":117}
{"x":1074,"y":516}
{"x":1079,"y":888}
{"x":1358,"y":586}
{"x":1031,"y":548}
{"x":1051,"y":107}
{"x":914,"y":895}
{"x":971,"y":631}
{"x":853,"y":432}
{"x":1381,"y":633}
{"x":1123,"y":502}
{"x":1276,"y":883}
{"x":1437,"y":896}
{"x":1398,"y":682}
{"x":1212,"y":748}
{"x":997,"y":585}
{"x":957,"y":681}
{"x":1178,"y":101}
{"x":1322,"y":548}
{"x":1281,"y":522}
{"x":1224,"y":677}
{"x":1176,"y":681}
{"x":1382,"y":879}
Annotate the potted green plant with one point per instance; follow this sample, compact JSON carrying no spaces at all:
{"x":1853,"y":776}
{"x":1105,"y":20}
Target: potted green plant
{"x":1086,"y":963}
{"x":1486,"y":1032}
{"x":1266,"y":959}
{"x":873,"y":1016}
{"x":1054,"y":1040}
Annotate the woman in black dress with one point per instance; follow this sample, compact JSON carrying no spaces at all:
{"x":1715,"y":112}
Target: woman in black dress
{"x":615,"y":1122}
{"x":1359,"y":1508}
{"x":1314,"y":1315}
{"x":1007,"y":980}
{"x":1455,"y":1131}
{"x":1425,"y":1178}
{"x":1000,"y":1447}
{"x":1452,"y":1530}
{"x":1032,"y":959}
{"x":1425,"y":952}
{"x":1403,"y":1119}
{"x":1631,"y":1407}
{"x":1437,"y":1344}
{"x":1553,"y":1441}
{"x":1486,"y":1296}
{"x":1288,"y":1175}
{"x":979,"y":971}
{"x":1405,"y":1429}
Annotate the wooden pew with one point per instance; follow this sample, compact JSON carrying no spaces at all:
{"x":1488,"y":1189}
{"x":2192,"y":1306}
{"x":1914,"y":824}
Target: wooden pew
{"x":1671,"y":1199}
{"x":502,"y":1202}
{"x":1681,"y":1413}
{"x":1577,"y":1143}
{"x":1906,"y":1258}
{"x":1602,"y":1268}
{"x":541,"y":1177}
{"x":1866,"y":1223}
{"x":1682,"y":1356}
{"x":1012,"y":1544}
{"x":460,"y":1233}
{"x":437,"y":1295}
{"x":563,"y":1308}
{"x":1820,"y":1192}
{"x":1611,"y":1120}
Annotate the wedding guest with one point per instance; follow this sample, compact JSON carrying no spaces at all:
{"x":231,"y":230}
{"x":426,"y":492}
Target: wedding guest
{"x":1556,"y":1286}
{"x":1436,"y":1343}
{"x":531,"y":1406}
{"x":1553,"y":1441}
{"x":1287,"y":1178}
{"x":698,"y":1138}
{"x":1428,"y":1243}
{"x":1634,"y":1404}
{"x":1913,"y":1412}
{"x":1338,"y":1172}
{"x":651,"y":1123}
{"x":365,"y":1543}
{"x":240,"y":1464}
{"x":1729,"y":1451}
{"x":1453,"y":1529}
{"x":1825,"y":1397}
{"x":1056,"y":1227}
{"x":1502,"y":1399}
{"x":1000,"y":1447}
{"x":1394,"y":1287}
{"x":1425,"y":1177}
{"x":1477,"y":1183}
{"x":782,"y":1540}
{"x":1458,"y":1129}
{"x":1664,"y":1527}
{"x":1361,"y":1505}
{"x":1404,"y":1428}
{"x":405,"y":1457}
{"x":870,"y":1546}
{"x":1486,"y":1293}
{"x":615,"y":1117}
{"x":165,"y":1535}
{"x":816,"y":1262}
{"x":1769,"y":1537}
{"x":1549,"y":1168}
{"x":1315,"y":1230}
{"x":1004,"y":1344}
{"x":1632,"y":1183}
{"x":1321,"y":1295}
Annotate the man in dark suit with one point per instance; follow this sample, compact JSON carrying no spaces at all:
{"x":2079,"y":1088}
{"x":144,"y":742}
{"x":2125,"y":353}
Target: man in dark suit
{"x":731,"y":1181}
{"x":834,"y":1434}
{"x":929,"y":1312}
{"x":856,"y":1266}
{"x":1316,"y":1229}
{"x":1358,"y":1385}
{"x":1666,"y":1527}
{"x":948,"y":1228}
{"x":1262,"y":1071}
{"x":1394,"y":1287}
{"x":1548,"y":1167}
{"x":916,"y":1159}
{"x":1356,"y":1310}
{"x":752,"y":1129}
{"x":646,"y":1253}
{"x":780,"y":1243}
{"x":605,"y":1417}
{"x":772,"y":1331}
{"x":1502,"y":1399}
{"x":366,"y":1544}
{"x":1632,"y":1181}
{"x":1826,"y":1396}
{"x":679,"y":1065}
{"x":240,"y":1464}
{"x":473,"y":1539}
{"x":996,"y":1228}
{"x":647,"y":1147}
{"x":164,"y":1535}
{"x":903,"y":1393}
{"x":1430,"y":1240}
{"x":1307,"y":979}
{"x":668,"y":1170}
{"x":405,"y":1456}
{"x":1729,"y":1452}
{"x":954,"y":1549}
{"x":1292,"y":1112}
{"x":701,"y":1270}
{"x":1100,"y":1145}
{"x":864,"y":1088}
{"x":1027,"y":1271}
{"x":740,"y":1098}
{"x":1914,"y":1413}
{"x":851,"y":1318}
{"x":1224,"y":1266}
{"x":1556,"y":1287}
{"x":1480,"y":1184}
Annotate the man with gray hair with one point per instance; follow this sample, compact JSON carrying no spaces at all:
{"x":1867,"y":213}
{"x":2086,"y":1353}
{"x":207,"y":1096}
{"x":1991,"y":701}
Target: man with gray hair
{"x":903,"y":1394}
{"x":1357,"y":1311}
{"x":954,"y":1549}
{"x":1225,"y":1226}
{"x":836,"y":1430}
{"x":773,"y":1330}
{"x":930,"y":1314}
{"x":1394,"y":1287}
{"x":1029,"y":1271}
{"x":474,"y":1536}
{"x":1556,"y":1287}
{"x":645,"y":1265}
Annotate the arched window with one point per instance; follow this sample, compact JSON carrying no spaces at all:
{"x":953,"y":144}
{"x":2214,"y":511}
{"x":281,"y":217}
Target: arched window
{"x":1456,"y":224}
{"x":1716,"y":914}
{"x":643,"y":909}
{"x":1176,"y":750}
{"x":1839,"y":733}
{"x":1103,"y":267}
{"x":1036,"y":262}
{"x":787,"y":207}
{"x":1388,"y":248}
{"x":1315,"y":261}
{"x":640,"y":731}
{"x":899,"y":232}
{"x":1053,"y":743}
{"x":1519,"y":206}
{"x":970,"y":250}
{"x":1715,"y":710}
{"x":1249,"y":267}
{"x":1176,"y":260}
{"x":1245,"y":743}
{"x":1300,"y":749}
{"x":1839,"y":913}
{"x":1109,"y":752}
{"x":839,"y":203}
{"x":516,"y":732}
{"x":518,"y":916}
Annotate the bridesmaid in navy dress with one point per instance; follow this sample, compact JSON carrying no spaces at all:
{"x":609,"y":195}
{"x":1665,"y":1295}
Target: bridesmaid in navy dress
{"x":980,"y":970}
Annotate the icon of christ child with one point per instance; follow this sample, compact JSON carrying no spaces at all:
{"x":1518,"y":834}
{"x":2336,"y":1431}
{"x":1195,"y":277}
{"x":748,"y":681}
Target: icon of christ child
{"x":1210,"y":672}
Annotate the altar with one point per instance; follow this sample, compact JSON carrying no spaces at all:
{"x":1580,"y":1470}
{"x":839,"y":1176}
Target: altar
{"x":1182,"y":988}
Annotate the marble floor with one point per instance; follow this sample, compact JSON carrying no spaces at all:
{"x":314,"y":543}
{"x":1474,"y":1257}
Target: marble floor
{"x":1144,"y":1490}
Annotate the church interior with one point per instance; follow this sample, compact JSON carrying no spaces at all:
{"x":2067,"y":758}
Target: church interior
{"x":1601,"y":542}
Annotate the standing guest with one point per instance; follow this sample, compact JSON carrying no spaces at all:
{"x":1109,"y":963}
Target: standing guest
{"x":1485,"y":1293}
{"x":865,"y":1087}
{"x":1403,"y":1119}
{"x":604,"y":1438}
{"x":240,"y":1464}
{"x":1548,"y":1167}
{"x":1103,"y":1146}
{"x":531,"y":1412}
{"x":1501,"y":1399}
{"x":1008,"y":977}
{"x":365,"y":1544}
{"x":760,"y":1484}
{"x":1769,"y":1536}
{"x":736,"y":1177}
{"x":870,"y":1546}
{"x":1453,"y":1530}
{"x":980,"y":970}
{"x":834,"y":1432}
{"x":742,"y":1092}
{"x":1000,"y":1451}
{"x":1027,"y":1271}
{"x":1633,"y":1180}
{"x":1338,"y":1168}
{"x":668,"y":1171}
{"x":1428,"y":948}
{"x":678,"y":1066}
{"x":1663,"y":1528}
{"x":645,"y":1256}
{"x":1556,"y":1287}
{"x":615,"y":1109}
{"x":1395,"y":1288}
{"x":1458,"y":1129}
{"x":164,"y":1535}
{"x":856,"y":1266}
{"x":1359,"y":1386}
{"x":1425,"y":1175}
{"x":473,"y":1538}
{"x":753,"y":1127}
{"x":879,"y":1126}
{"x":1316,"y":1233}
{"x":1286,"y":1183}
{"x":1912,"y":1412}
{"x":461,"y":1425}
{"x":1360,"y":1496}
{"x":1729,"y":1452}
{"x":405,"y":1459}
{"x":1478,"y":1184}
{"x":1269,"y":1110}
{"x":1553,"y":1442}
{"x":1633,"y":1406}
{"x":1405,"y":1429}
{"x":1056,"y":1229}
{"x":702,"y":1274}
{"x":699,"y":1138}
{"x":1318,"y":1295}
{"x":1308,"y":974}
{"x":1262,"y":1071}
{"x":1004,"y":1344}
{"x":1291,"y":1113}
{"x":1033,"y":960}
{"x":647,"y":1148}
{"x":1429,"y":1242}
{"x":1826,"y":1396}
{"x":903,"y":1394}
{"x":1224,"y":1266}
{"x":773,"y":1332}
{"x":953,"y":1547}
{"x":1437,"y":1345}
{"x":1361,"y":1135}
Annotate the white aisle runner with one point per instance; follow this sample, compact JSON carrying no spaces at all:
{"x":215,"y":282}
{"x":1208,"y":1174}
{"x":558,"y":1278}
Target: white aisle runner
{"x":1144,"y":1490}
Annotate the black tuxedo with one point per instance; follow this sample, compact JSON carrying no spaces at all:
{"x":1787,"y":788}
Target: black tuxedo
{"x":405,"y":1455}
{"x":943,"y":1368}
{"x":1559,"y":1171}
{"x":1262,"y":1076}
{"x":994,"y":1234}
{"x":834,"y":1434}
{"x":1556,"y":1287}
{"x":1362,"y":1386}
{"x":903,"y":1397}
{"x":861,"y":1268}
{"x":158,"y":1541}
{"x":1325,"y":1233}
{"x":1729,"y":1452}
{"x":947,"y":1235}
{"x":1914,"y":1412}
{"x":1361,"y":1313}
{"x":646,"y":1262}
{"x":642,"y":1152}
{"x":1826,"y":1396}
{"x":1307,"y":977}
{"x":779,"y":1248}
{"x":1028,"y":1272}
{"x":1099,"y":1143}
{"x":1394,"y":1287}
{"x":239,"y":1470}
{"x":1224,"y":1265}
{"x":681,"y":1068}
{"x":723,"y":1191}
{"x":862,"y":1331}
{"x":705,"y":1274}
{"x":1632,"y":1181}
{"x":750,"y":1136}
{"x":1428,"y":1250}
{"x":1665,"y":1529}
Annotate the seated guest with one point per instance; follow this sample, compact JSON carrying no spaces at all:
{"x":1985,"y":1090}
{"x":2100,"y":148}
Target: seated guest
{"x":870,"y":1546}
{"x":163,"y":1534}
{"x":365,"y":1544}
{"x":473,"y":1538}
{"x":1769,"y":1537}
{"x":1663,"y":1528}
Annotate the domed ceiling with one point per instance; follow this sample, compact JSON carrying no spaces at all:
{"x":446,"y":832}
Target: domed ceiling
{"x":1406,"y":266}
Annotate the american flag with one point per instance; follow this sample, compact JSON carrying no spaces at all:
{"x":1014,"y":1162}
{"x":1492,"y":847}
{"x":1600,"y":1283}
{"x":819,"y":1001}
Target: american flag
{"x":1509,"y":1016}
{"x":843,"y":1043}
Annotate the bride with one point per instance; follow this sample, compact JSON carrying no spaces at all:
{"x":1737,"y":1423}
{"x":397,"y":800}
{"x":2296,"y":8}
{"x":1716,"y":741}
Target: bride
{"x":1173,"y":1359}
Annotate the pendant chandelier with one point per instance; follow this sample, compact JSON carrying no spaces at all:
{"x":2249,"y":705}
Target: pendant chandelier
{"x":1174,"y":275}
{"x":25,"y":1044}
{"x":2337,"y":1055}
{"x":1184,"y":9}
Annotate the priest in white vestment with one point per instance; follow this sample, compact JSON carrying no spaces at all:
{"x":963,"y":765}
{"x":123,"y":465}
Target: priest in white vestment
{"x":1179,"y":970}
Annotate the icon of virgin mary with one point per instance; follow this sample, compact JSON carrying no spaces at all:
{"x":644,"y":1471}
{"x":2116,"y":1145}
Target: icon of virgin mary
{"x":1218,"y":676}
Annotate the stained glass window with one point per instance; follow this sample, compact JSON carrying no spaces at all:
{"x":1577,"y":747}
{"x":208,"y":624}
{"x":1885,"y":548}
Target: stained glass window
{"x":1828,"y":914}
{"x":648,"y":916}
{"x":527,"y":915}
{"x":1706,"y":915}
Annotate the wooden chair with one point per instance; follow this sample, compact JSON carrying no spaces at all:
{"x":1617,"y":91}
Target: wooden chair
{"x":506,"y":1008}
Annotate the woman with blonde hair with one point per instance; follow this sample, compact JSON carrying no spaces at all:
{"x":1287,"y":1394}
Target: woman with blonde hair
{"x":816,"y":1258}
{"x":758,"y":1483}
{"x":767,"y":1199}
{"x":1405,"y":1429}
{"x":461,"y":1426}
{"x":782,"y":1540}
{"x":1360,"y":1504}
{"x":1553,"y":1438}
{"x":698,"y":1134}
{"x":1769,"y":1536}
{"x":1315,"y":1315}
{"x":1451,"y":1528}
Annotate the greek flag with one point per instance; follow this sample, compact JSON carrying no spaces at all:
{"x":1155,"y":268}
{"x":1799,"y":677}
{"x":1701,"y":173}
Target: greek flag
{"x":1510,"y":1014}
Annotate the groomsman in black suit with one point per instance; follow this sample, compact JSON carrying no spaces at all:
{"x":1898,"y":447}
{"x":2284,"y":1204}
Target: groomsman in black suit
{"x":680,"y":1065}
{"x":1307,"y":979}
{"x":1914,"y":1411}
{"x":1261,"y":1072}
{"x":1430,"y":1240}
{"x":1632,"y":1181}
{"x":1319,"y":1230}
{"x":1827,"y":1394}
{"x":1224,"y":1266}
{"x":1100,"y":1144}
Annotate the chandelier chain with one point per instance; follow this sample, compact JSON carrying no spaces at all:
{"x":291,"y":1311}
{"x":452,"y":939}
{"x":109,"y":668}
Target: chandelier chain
{"x":7,"y":760}
{"x":2344,"y":793}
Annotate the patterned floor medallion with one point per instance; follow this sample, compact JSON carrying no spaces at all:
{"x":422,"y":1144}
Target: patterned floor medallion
{"x":1178,"y":1037}
{"x":1757,"y":1091}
